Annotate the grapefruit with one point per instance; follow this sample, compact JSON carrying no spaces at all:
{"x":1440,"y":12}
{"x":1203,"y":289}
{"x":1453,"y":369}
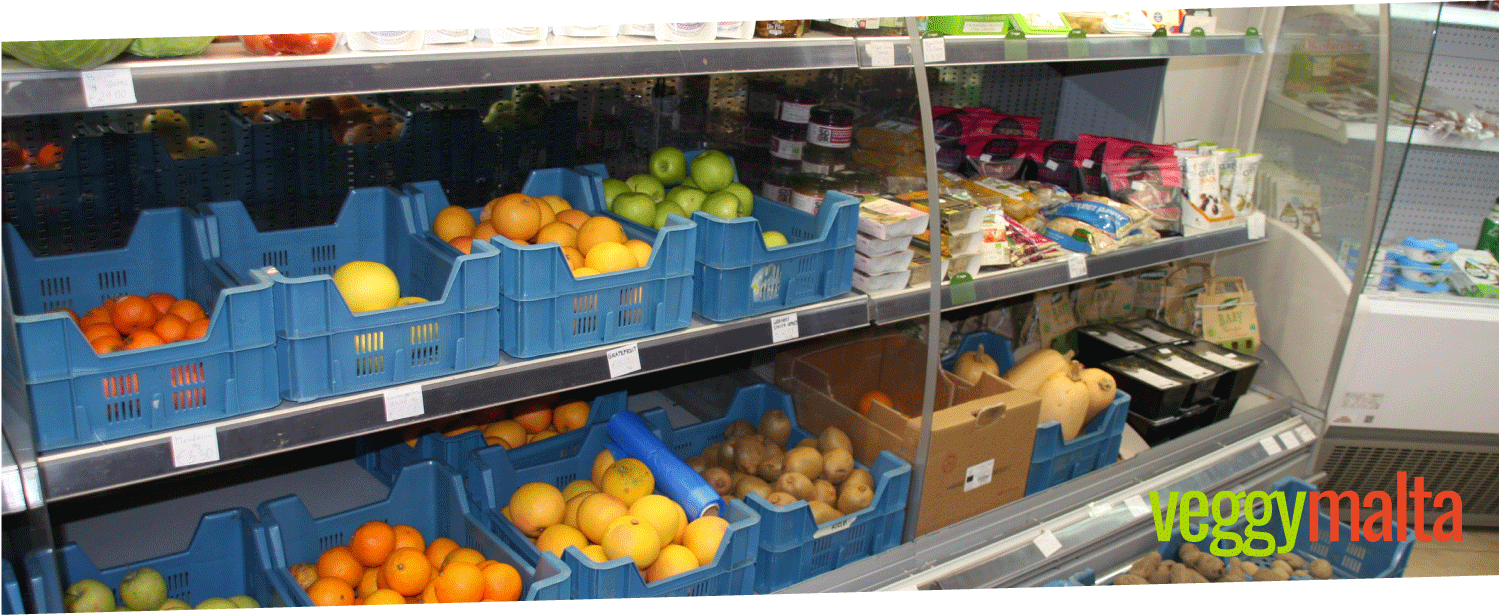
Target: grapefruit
{"x":367,"y":286}
{"x":536,"y":506}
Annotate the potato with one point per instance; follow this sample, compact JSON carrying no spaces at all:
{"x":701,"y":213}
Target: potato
{"x":1291,"y":558}
{"x":1250,"y":568}
{"x":1162,"y":574}
{"x":1185,"y":574}
{"x":1130,"y":579}
{"x":1146,"y":565}
{"x":1234,"y":575}
{"x":1188,"y":553}
{"x":1272,"y":574}
{"x":1210,"y":567}
{"x":1282,"y":566}
{"x":1320,"y":569}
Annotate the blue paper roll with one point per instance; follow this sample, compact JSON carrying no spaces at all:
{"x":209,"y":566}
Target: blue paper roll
{"x":673,"y":476}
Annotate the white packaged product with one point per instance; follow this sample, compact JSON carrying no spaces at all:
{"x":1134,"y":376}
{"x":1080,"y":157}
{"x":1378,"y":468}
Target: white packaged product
{"x":446,"y":37}
{"x":884,"y":218}
{"x":877,"y":283}
{"x":736,"y":29}
{"x":388,"y":40}
{"x":687,"y":32}
{"x":638,"y":29}
{"x":517,"y":34}
{"x":875,"y":246}
{"x":587,"y":31}
{"x":880,"y":265}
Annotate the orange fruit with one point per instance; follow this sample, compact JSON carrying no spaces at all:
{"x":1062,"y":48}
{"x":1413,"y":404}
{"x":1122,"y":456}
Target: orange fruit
{"x":570,"y":514}
{"x":459,"y":582}
{"x":484,"y":231}
{"x":188,"y":309}
{"x":372,"y":543}
{"x":463,"y":243}
{"x":633,"y":537}
{"x":597,"y":230}
{"x":516,"y":216}
{"x":368,"y":583}
{"x":541,"y":435}
{"x":628,"y":479}
{"x":578,"y":487}
{"x":570,"y":415}
{"x":407,"y":536}
{"x":508,"y":431}
{"x":460,"y":430}
{"x":339,"y":563}
{"x":161,"y":301}
{"x":107,"y":343}
{"x":866,"y":401}
{"x":463,"y":554}
{"x":703,"y":537}
{"x":439,"y":549}
{"x":560,"y":233}
{"x":573,"y":256}
{"x":331,"y":591}
{"x":196,"y":329}
{"x":385,"y":596}
{"x":596,"y":512}
{"x":558,"y":537}
{"x":453,"y":221}
{"x":304,"y":573}
{"x":97,"y":315}
{"x":583,"y":272}
{"x":501,"y":582}
{"x":545,"y":212}
{"x":536,"y":506}
{"x":98,"y":330}
{"x":171,"y":328}
{"x":429,"y":594}
{"x":132,"y":313}
{"x":534,"y":416}
{"x":641,"y":250}
{"x":573,"y":217}
{"x":558,"y":203}
{"x":71,"y":314}
{"x":673,"y":560}
{"x":595,"y":553}
{"x":406,"y":571}
{"x":144,"y":338}
{"x":601,"y":462}
{"x":608,"y":256}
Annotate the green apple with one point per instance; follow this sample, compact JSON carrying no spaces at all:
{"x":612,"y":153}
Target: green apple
{"x":691,"y":199}
{"x":636,"y":206}
{"x":664,"y":208}
{"x":215,"y":603}
{"x":89,"y":596}
{"x":773,"y":239}
{"x":614,"y":188}
{"x":712,"y":171}
{"x":245,"y":602}
{"x":746,"y":197}
{"x":143,"y":589}
{"x":647,"y":184}
{"x":689,"y":182}
{"x":722,"y":204}
{"x":668,"y":165}
{"x":173,"y":604}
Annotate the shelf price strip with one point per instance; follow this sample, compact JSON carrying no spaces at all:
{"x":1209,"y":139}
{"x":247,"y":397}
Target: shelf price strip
{"x":194,"y":446}
{"x":404,"y":402}
{"x":623,"y":360}
{"x":784,"y":328}
{"x":1048,"y":544}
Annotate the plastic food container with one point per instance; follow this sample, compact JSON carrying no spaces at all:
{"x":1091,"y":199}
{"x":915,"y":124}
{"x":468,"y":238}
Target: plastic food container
{"x":875,"y":246}
{"x":1432,"y":251}
{"x":1421,"y":272}
{"x":1099,"y":343}
{"x":879,"y":265}
{"x":877,"y":283}
{"x":1205,"y":375}
{"x":388,"y":40}
{"x":1156,"y":392}
{"x":1156,"y":331}
{"x":1405,"y":285}
{"x":517,"y":34}
{"x":587,"y":31}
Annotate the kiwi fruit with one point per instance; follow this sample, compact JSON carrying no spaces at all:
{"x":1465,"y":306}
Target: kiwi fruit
{"x":747,"y":455}
{"x":832,"y":438}
{"x":697,"y":464}
{"x":738,"y":429}
{"x":773,"y":465}
{"x":824,"y":491}
{"x":855,"y":498}
{"x":751,"y":484}
{"x":836,"y":465}
{"x":804,"y":461}
{"x":774,"y":424}
{"x":807,"y":442}
{"x":797,"y":484}
{"x":712,"y":453}
{"x":858,"y":476}
{"x":726,"y":454}
{"x":719,"y":480}
{"x":822,"y":512}
{"x":781,"y":498}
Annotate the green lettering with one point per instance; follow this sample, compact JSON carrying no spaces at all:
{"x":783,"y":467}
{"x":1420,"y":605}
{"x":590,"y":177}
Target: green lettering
{"x":1226,"y":542}
{"x":1292,"y":524}
{"x":1163,"y":526}
{"x":1256,"y":517}
{"x":1190,"y":531}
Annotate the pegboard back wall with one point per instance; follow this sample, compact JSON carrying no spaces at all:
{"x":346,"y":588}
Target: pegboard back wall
{"x":1443,"y":193}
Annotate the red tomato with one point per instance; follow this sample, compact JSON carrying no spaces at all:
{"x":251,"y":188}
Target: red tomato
{"x":304,"y":44}
{"x":258,"y":44}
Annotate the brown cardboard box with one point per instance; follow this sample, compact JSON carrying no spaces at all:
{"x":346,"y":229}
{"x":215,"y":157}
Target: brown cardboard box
{"x":982,"y":434}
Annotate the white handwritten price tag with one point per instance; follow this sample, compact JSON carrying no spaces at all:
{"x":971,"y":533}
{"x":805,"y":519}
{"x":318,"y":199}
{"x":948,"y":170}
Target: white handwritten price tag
{"x":836,"y":526}
{"x":1270,"y":445}
{"x":1289,"y":440}
{"x":783,"y":328}
{"x":1047,"y":542}
{"x":1257,"y":225}
{"x":623,"y":360}
{"x":1099,"y":509}
{"x":195,"y":446}
{"x":881,"y":53}
{"x":1137,"y":506}
{"x":1077,"y":265}
{"x":934,"y":49}
{"x":108,"y":86}
{"x":404,"y":402}
{"x":1305,"y":433}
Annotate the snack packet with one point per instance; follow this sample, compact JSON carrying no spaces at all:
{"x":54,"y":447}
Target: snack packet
{"x":1054,"y":159}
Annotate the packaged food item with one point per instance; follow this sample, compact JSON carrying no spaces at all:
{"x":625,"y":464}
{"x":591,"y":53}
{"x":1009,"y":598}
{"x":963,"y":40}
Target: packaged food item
{"x":1246,"y":175}
{"x":987,"y":165}
{"x":788,"y":140}
{"x":1089,"y":157}
{"x":638,"y":29}
{"x":878,"y":283}
{"x":780,"y":28}
{"x":884,"y":218}
{"x":884,"y":263}
{"x":1203,"y":206}
{"x":1055,"y":159}
{"x":1170,"y":19}
{"x":385,"y":40}
{"x":1475,"y":273}
{"x":778,"y":185}
{"x":1090,"y":22}
{"x":1026,"y":244}
{"x":587,"y":31}
{"x":1145,"y":175}
{"x":1113,"y":217}
{"x":1016,"y":200}
{"x":822,"y":160}
{"x":874,"y":246}
{"x":290,"y":44}
{"x":796,"y":107}
{"x":849,"y":26}
{"x":1079,"y":236}
{"x":686,"y":32}
{"x":1127,"y":22}
{"x":1327,"y":63}
{"x":736,"y":29}
{"x":1049,"y":195}
{"x":807,"y":191}
{"x":830,"y":126}
{"x":446,"y":37}
{"x":1040,"y":23}
{"x":955,"y":25}
{"x":1226,"y":156}
{"x":517,"y":34}
{"x":890,"y":136}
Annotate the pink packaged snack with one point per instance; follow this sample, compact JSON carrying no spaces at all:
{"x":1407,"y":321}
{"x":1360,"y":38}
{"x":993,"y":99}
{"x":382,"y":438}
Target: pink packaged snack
{"x":1144,"y":175}
{"x":1054,"y":159}
{"x":989,"y":122}
{"x":1089,"y":157}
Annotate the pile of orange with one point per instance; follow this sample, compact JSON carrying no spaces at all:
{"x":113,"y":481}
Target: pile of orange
{"x":616,"y":514}
{"x":591,"y":244}
{"x":131,"y":321}
{"x":522,"y":423}
{"x":349,"y":119}
{"x":384,"y":564}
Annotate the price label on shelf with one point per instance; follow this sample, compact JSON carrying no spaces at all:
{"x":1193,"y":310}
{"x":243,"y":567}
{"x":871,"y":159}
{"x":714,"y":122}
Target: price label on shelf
{"x":1305,"y":433}
{"x":1289,"y":440}
{"x":1270,"y":445}
{"x":881,"y":53}
{"x":194,"y":446}
{"x":103,"y":87}
{"x":1099,"y":509}
{"x":1137,"y":506}
{"x":404,"y":402}
{"x":1257,"y":225}
{"x":1048,"y":544}
{"x":934,"y":49}
{"x":783,"y":328}
{"x":1077,"y":265}
{"x":623,"y":360}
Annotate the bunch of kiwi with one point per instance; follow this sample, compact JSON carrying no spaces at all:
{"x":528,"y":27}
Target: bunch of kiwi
{"x":1198,"y":566}
{"x":755,"y":459}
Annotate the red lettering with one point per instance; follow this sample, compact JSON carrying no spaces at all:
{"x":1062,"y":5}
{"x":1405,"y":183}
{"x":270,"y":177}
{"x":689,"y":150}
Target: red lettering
{"x":1332,"y":506}
{"x":1388,"y":534}
{"x":1400,"y":504}
{"x":1418,"y":523}
{"x":1456,"y":516}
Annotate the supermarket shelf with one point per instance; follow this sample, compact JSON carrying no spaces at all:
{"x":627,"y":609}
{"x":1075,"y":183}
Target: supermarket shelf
{"x":999,"y":50}
{"x":1286,"y":112}
{"x":998,"y":548}
{"x":912,"y":302}
{"x":96,"y":468}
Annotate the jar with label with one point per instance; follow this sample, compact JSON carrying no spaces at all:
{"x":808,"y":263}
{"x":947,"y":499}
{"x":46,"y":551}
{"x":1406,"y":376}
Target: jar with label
{"x":829,"y":126}
{"x":796,"y":106}
{"x":807,"y":191}
{"x":822,"y":160}
{"x":858,"y":183}
{"x":762,"y":97}
{"x":787,"y":140}
{"x":780,"y":28}
{"x":756,"y":131}
{"x":778,"y":185}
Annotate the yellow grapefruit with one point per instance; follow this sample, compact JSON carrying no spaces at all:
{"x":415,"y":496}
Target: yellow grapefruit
{"x":662,"y":512}
{"x":367,"y":286}
{"x":596,"y":512}
{"x":601,"y":462}
{"x":632,"y":537}
{"x":576,"y":487}
{"x":560,"y":233}
{"x":558,"y":203}
{"x":573,"y":217}
{"x":609,"y":256}
{"x":703,"y":537}
{"x":536,"y":506}
{"x":597,"y":230}
{"x":672,"y":561}
{"x":629,"y":480}
{"x":641,"y":250}
{"x":558,"y":537}
{"x":595,"y":553}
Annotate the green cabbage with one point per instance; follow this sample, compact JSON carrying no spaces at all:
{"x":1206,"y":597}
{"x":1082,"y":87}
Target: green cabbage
{"x":67,"y":55}
{"x":170,"y":46}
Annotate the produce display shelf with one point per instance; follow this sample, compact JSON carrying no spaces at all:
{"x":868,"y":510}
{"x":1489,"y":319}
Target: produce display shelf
{"x":897,"y":305}
{"x":996,"y":49}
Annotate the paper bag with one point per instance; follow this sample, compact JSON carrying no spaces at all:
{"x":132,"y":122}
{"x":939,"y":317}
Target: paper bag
{"x":1106,"y":300}
{"x":1055,"y":318}
{"x":1228,"y":315}
{"x":1179,"y":295}
{"x":1149,"y":286}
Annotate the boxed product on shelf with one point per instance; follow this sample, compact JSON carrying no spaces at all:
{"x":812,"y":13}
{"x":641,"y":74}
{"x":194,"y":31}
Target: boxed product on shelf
{"x":1186,"y":420}
{"x":1104,"y":342}
{"x":895,"y":280}
{"x":1156,"y":331}
{"x":793,"y":547}
{"x":884,"y":219}
{"x":79,"y":396}
{"x":544,"y":309}
{"x":1475,"y":273}
{"x":323,"y":347}
{"x":494,"y":475}
{"x":888,"y":263}
{"x":1206,"y":376}
{"x":1157,"y":392}
{"x":427,"y":495}
{"x":985,"y":429}
{"x":864,"y":244}
{"x":227,"y":557}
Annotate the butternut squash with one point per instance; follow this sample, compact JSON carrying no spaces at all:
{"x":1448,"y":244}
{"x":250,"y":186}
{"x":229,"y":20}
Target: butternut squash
{"x":1036,"y":367}
{"x":971,"y":364}
{"x":1064,"y":398}
{"x":1101,"y":391}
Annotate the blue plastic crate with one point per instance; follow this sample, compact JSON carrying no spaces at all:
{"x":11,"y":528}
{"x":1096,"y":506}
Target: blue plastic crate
{"x":493,"y":476}
{"x":1081,"y":578}
{"x":83,"y":205}
{"x":1053,"y":459}
{"x":227,"y":557}
{"x":793,"y":546}
{"x":545,"y":310}
{"x":12,"y":602}
{"x":427,"y":495}
{"x":384,"y":460}
{"x":323,"y":349}
{"x":80,"y":397}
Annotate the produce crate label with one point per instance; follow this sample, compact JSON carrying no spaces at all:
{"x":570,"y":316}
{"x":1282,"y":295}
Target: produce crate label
{"x":1305,"y":433}
{"x":1048,"y":544}
{"x":623,"y":360}
{"x":1257,"y":225}
{"x":1157,"y":336}
{"x":1270,"y":445}
{"x":1153,"y":379}
{"x":783,"y":328}
{"x":1118,"y":341}
{"x":837,"y":526}
{"x":404,"y":402}
{"x":934,"y":49}
{"x":103,"y":87}
{"x":1099,"y":509}
{"x":195,"y":446}
{"x":978,"y":475}
{"x":1289,"y":439}
{"x":1193,"y":370}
